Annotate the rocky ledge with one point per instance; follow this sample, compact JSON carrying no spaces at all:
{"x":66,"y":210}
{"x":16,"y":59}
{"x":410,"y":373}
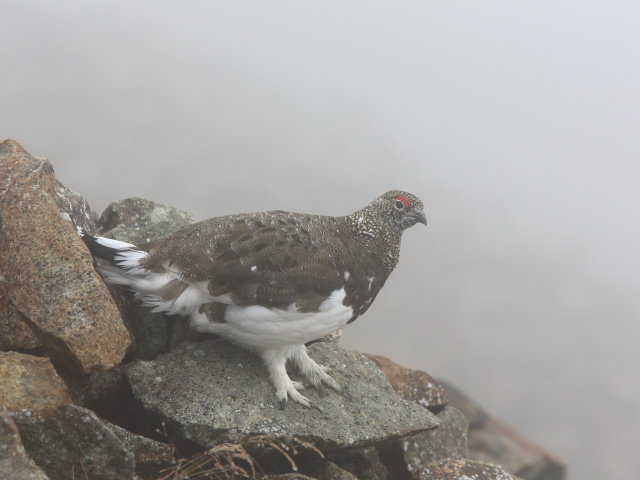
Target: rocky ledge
{"x":94,"y":386}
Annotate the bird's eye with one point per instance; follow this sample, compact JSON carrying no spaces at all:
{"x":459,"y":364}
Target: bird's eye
{"x":402,"y":202}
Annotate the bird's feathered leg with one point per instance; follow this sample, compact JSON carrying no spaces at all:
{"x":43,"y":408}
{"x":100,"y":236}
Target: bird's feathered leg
{"x":275,"y":360}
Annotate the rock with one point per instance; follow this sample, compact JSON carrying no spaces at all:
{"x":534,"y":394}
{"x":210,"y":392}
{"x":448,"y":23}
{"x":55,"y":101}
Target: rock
{"x":213,"y":392}
{"x":14,"y":462}
{"x":202,"y":395}
{"x":463,"y":470}
{"x":413,"y":385}
{"x":406,"y":456}
{"x":448,"y":441}
{"x":490,"y":440}
{"x":364,"y":463}
{"x":289,"y":476}
{"x":28,"y":382}
{"x":136,"y":220}
{"x":106,"y":393}
{"x":151,"y":457}
{"x":410,"y":455}
{"x":148,"y":330}
{"x":330,"y":471}
{"x":15,"y":333}
{"x":47,"y":273}
{"x":74,"y":208}
{"x":71,"y":442}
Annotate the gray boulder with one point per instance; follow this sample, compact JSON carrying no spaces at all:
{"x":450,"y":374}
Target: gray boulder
{"x":14,"y":462}
{"x":410,"y":455}
{"x":462,"y":469}
{"x":363,"y":463}
{"x":152,"y":458}
{"x":136,"y":220}
{"x":71,"y":442}
{"x":213,"y":392}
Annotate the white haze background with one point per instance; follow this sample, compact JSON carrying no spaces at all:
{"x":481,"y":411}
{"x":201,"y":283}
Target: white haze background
{"x":516,"y":122}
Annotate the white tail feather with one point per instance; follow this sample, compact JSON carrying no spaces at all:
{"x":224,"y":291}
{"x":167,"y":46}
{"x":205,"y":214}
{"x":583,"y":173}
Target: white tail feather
{"x":154,"y":289}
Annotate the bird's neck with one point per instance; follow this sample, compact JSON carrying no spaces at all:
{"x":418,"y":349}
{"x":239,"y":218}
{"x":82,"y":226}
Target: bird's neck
{"x":375,"y":239}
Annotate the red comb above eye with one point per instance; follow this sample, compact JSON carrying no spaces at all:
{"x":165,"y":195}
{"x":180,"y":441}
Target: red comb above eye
{"x":404,"y":201}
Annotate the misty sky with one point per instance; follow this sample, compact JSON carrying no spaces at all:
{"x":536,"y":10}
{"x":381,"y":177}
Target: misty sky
{"x":516,"y":122}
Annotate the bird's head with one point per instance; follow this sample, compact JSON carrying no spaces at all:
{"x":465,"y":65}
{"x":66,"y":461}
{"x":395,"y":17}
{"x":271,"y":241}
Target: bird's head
{"x":401,"y":209}
{"x":393,"y":213}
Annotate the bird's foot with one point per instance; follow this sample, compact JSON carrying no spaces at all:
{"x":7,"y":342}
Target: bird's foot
{"x":315,"y":406}
{"x":318,"y":377}
{"x":316,"y":374}
{"x":290,"y":391}
{"x":286,"y":389}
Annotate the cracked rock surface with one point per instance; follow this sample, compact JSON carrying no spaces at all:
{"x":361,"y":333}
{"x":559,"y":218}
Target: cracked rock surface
{"x":214,"y":392}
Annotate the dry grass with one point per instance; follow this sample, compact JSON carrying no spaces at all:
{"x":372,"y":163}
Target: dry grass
{"x":232,"y":460}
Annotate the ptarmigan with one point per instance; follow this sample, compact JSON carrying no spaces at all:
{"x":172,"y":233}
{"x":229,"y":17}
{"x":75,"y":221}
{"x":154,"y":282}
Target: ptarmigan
{"x":269,"y":281}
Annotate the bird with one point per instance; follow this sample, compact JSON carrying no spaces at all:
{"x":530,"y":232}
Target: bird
{"x":270,"y":281}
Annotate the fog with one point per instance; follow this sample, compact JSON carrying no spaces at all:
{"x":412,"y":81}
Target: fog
{"x":516,"y":123}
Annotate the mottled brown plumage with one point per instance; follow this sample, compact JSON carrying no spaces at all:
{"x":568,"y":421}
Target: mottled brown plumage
{"x":270,"y":281}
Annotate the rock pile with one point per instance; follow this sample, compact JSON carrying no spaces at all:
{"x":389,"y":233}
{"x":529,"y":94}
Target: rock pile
{"x":92,"y":385}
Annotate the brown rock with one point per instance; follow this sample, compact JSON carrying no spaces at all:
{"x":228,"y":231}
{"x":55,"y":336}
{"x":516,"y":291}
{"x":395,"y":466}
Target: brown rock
{"x":47,"y":273}
{"x":490,"y":440}
{"x":14,"y":462}
{"x":15,"y":334}
{"x":28,"y":382}
{"x":463,"y":470}
{"x":413,"y":385}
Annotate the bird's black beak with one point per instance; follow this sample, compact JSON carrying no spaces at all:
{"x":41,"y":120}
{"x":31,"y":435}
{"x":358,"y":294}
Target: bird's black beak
{"x":421,"y":217}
